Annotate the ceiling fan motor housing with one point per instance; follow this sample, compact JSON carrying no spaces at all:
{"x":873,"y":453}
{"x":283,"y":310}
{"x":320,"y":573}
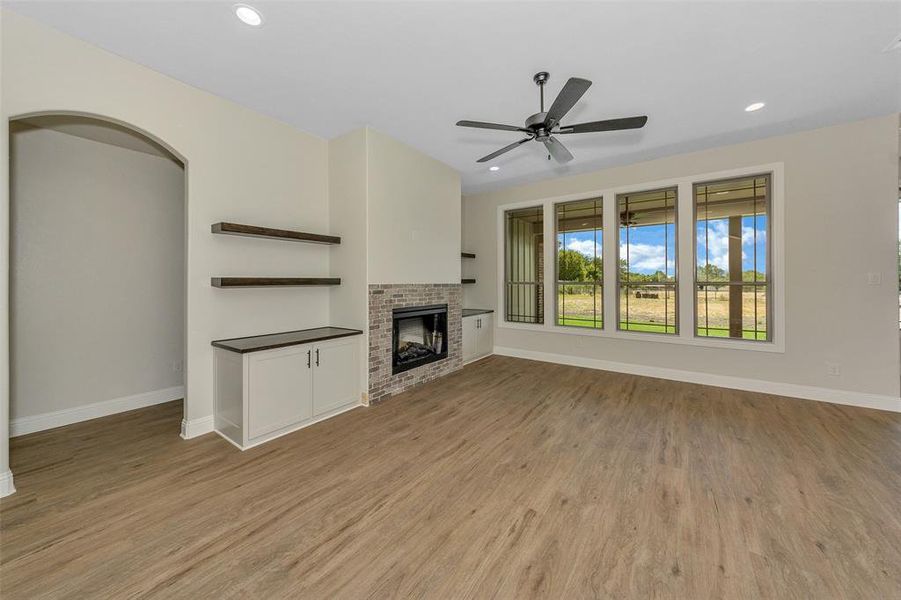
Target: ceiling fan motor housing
{"x":536,"y":124}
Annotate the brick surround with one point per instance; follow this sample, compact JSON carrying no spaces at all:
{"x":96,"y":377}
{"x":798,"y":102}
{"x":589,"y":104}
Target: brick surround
{"x":383,"y":299}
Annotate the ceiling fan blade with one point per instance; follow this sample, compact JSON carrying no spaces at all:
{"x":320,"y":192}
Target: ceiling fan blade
{"x":558,"y":150}
{"x":482,"y":125}
{"x":608,"y":125}
{"x":566,"y":99}
{"x":504,"y":149}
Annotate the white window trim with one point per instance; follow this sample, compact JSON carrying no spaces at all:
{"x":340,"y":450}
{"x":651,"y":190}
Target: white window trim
{"x":685,"y":265}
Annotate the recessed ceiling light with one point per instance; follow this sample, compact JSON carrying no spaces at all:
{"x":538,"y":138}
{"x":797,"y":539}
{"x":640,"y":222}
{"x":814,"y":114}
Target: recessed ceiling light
{"x":755,"y":106}
{"x":494,"y":168}
{"x":249,"y":15}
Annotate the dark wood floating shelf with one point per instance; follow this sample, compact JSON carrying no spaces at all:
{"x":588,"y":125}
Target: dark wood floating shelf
{"x":467,"y":255}
{"x":467,"y":281}
{"x":245,"y":282}
{"x":274,"y":234}
{"x":253,"y":343}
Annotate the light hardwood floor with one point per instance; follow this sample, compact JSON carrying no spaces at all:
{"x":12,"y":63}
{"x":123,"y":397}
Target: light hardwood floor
{"x":510,"y":479}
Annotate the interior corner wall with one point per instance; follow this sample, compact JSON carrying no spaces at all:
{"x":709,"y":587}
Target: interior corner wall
{"x":348,"y":210}
{"x":6,"y":478}
{"x":414,"y":215}
{"x":240,"y":166}
{"x":97,"y":273}
{"x":841,"y":223}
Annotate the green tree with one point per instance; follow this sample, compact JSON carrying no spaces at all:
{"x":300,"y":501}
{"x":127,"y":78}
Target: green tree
{"x":710,"y":272}
{"x":594,"y":269}
{"x":571,"y":265}
{"x":752,"y":275}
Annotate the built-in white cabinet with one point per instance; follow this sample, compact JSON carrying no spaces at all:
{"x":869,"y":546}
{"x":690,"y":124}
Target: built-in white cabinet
{"x":478,"y":336}
{"x":263,"y":394}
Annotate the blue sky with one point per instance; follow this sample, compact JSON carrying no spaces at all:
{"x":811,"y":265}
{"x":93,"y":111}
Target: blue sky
{"x":648,"y":254}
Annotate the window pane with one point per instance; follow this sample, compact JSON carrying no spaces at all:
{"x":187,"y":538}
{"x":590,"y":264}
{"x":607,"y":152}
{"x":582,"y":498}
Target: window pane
{"x":524,"y":265}
{"x":732,"y":251}
{"x":580,"y":271}
{"x":647,"y":261}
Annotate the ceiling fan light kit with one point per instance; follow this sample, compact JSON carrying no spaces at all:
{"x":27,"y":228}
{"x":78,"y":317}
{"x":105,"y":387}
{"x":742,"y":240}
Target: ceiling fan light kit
{"x":544,"y":125}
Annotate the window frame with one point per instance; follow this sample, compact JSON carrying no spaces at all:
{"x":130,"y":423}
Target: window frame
{"x":769,"y":257}
{"x":505,"y":282}
{"x":686,"y":337}
{"x":603,"y":285}
{"x":675,"y":284}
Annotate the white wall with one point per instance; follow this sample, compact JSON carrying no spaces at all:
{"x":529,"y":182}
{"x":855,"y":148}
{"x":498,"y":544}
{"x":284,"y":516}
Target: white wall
{"x":6,"y":478}
{"x":348,"y":210}
{"x":97,"y":272}
{"x":241,"y":166}
{"x":414,"y":215}
{"x":841,"y":223}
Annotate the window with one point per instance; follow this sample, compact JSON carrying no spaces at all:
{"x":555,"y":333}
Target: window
{"x":732,"y":227}
{"x":647,"y":261}
{"x":524,"y":265}
{"x":580,"y":265}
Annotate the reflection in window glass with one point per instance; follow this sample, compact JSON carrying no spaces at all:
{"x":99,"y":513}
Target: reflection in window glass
{"x":732,"y":285}
{"x":524,"y":265}
{"x":647,"y":261}
{"x":580,"y":270}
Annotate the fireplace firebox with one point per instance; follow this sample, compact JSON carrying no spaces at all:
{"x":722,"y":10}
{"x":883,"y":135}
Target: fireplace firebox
{"x":419,"y":336}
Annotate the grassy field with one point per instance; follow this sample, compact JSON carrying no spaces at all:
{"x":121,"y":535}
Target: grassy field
{"x":648,"y":314}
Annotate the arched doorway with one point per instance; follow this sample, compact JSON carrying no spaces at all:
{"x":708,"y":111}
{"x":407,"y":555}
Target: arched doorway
{"x":97,"y":270}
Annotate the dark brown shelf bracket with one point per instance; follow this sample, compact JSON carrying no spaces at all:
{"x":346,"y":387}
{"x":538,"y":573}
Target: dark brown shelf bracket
{"x":467,"y":255}
{"x":248,"y":282}
{"x":273,"y":234}
{"x":467,"y":281}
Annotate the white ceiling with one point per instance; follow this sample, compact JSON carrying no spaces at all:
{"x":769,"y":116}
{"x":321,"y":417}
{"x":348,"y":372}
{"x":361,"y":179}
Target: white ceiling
{"x":412,"y":69}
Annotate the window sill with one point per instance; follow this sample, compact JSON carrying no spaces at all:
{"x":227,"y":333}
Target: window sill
{"x":685,"y":340}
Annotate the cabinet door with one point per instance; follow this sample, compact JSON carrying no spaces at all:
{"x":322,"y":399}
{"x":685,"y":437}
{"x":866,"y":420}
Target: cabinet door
{"x":485,"y":344}
{"x":470,"y":338}
{"x":336,"y":374}
{"x":279,"y":389}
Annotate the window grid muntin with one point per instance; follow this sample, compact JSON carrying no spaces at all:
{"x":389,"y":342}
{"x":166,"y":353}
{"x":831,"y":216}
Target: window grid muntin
{"x":672,"y":287}
{"x":515,"y":266}
{"x":597,"y":284}
{"x":767,"y":283}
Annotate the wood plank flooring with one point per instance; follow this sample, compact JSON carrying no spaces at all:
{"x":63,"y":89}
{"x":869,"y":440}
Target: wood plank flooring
{"x":509,"y":479}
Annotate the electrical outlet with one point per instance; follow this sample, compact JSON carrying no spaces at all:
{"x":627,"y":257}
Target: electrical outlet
{"x":833,"y":369}
{"x":874,"y":278}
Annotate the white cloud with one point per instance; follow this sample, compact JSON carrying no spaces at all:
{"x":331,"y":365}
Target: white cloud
{"x":717,"y":242}
{"x":586,"y":247}
{"x":647,"y":258}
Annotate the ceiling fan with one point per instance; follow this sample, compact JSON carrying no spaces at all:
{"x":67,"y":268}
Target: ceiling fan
{"x":543,"y":126}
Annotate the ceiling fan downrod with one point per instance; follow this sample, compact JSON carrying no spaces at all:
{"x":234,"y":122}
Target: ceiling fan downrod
{"x":540,"y":79}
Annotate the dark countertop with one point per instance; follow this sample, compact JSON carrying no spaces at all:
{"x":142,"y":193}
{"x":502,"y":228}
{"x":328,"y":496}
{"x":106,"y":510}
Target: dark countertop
{"x":269,"y":341}
{"x":468,"y":312}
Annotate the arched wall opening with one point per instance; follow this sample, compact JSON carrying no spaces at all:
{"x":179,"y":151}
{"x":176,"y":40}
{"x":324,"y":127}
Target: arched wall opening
{"x":97,"y":269}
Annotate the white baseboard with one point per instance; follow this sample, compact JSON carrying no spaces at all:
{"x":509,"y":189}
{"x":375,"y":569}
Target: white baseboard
{"x":196,"y":427}
{"x":806,"y":392}
{"x":25,"y":425}
{"x":6,"y":484}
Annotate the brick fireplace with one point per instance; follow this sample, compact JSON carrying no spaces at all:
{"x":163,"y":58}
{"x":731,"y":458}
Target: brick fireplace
{"x":384,"y":299}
